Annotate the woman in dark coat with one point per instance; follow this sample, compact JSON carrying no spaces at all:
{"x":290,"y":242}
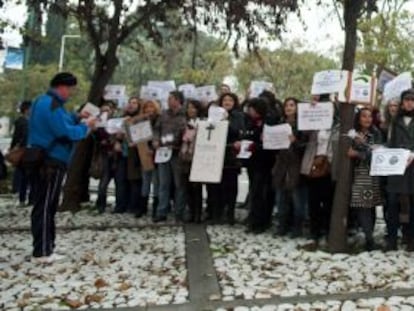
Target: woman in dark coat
{"x":223,"y":196}
{"x":400,"y":189}
{"x":287,"y":178}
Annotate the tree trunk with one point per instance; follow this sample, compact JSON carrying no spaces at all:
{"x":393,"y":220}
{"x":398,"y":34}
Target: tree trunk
{"x":76,"y":189}
{"x":339,"y":219}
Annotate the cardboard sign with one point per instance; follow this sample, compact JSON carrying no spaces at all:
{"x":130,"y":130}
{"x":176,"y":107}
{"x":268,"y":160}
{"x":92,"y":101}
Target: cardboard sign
{"x":389,"y":161}
{"x":363,"y":89}
{"x":315,"y":117}
{"x":276,"y":137}
{"x":396,"y":86}
{"x":331,"y":82}
{"x":208,"y":161}
{"x":140,"y":132}
{"x":257,"y":87}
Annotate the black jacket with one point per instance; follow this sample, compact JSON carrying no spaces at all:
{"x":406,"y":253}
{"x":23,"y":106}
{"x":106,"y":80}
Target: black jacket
{"x":20,"y":133}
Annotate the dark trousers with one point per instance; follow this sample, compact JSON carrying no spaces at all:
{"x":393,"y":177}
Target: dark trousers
{"x":194,"y":195}
{"x":393,"y":215}
{"x":223,"y":196}
{"x":366,"y":219}
{"x":50,"y":178}
{"x":20,"y":183}
{"x":262,"y":198}
{"x":127,"y":191}
{"x":107,"y":175}
{"x":320,"y":199}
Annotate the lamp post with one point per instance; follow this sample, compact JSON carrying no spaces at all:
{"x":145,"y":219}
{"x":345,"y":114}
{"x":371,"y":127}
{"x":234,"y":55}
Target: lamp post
{"x":62,"y":49}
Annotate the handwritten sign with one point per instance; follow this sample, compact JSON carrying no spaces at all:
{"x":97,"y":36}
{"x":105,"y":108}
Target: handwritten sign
{"x":276,"y":137}
{"x":140,"y":132}
{"x":315,"y":117}
{"x":395,"y":87}
{"x":208,"y":161}
{"x":389,"y":161}
{"x":330,"y":82}
{"x":257,"y":87}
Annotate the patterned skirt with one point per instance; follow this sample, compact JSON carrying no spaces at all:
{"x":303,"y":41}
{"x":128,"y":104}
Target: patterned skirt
{"x":366,"y":192}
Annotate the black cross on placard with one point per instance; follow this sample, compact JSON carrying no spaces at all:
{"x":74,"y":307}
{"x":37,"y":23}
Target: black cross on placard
{"x":209,"y":128}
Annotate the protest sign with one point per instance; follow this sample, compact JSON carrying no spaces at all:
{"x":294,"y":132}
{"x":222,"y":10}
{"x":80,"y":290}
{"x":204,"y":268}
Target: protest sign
{"x":14,"y":58}
{"x":206,"y":93}
{"x":188,"y":90}
{"x":396,"y":86}
{"x":389,"y":162}
{"x":163,"y":155}
{"x":114,"y":92}
{"x":276,"y":137}
{"x":384,"y":77}
{"x":330,"y":82}
{"x":140,"y":131}
{"x":244,"y":152}
{"x":363,"y":89}
{"x":208,"y":161}
{"x":115,"y":126}
{"x":257,"y":87}
{"x":165,"y":86}
{"x":216,"y":114}
{"x":317,"y":116}
{"x":91,"y":109}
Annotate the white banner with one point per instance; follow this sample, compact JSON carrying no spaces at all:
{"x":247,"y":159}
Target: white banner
{"x":276,"y":137}
{"x":389,"y":162}
{"x":312,"y":117}
{"x":208,"y":161}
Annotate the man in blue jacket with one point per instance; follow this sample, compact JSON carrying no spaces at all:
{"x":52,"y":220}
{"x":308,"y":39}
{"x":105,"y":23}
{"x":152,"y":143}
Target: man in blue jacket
{"x":54,"y":131}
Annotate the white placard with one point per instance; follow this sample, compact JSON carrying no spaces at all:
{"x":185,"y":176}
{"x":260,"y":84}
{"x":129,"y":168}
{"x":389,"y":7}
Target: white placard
{"x":150,"y":93}
{"x":329,"y":82}
{"x":91,"y":109}
{"x":208,"y":161}
{"x":276,"y":137}
{"x":114,"y":92}
{"x":395,"y":87}
{"x":244,"y":152}
{"x":140,"y":132}
{"x":206,"y":93}
{"x":115,"y":126}
{"x":216,"y":114}
{"x":257,"y":87}
{"x":166,"y":86}
{"x":163,"y":155}
{"x":389,"y":162}
{"x":384,"y":77}
{"x":188,"y":90}
{"x":315,"y":117}
{"x":362,"y":89}
{"x":102,"y":120}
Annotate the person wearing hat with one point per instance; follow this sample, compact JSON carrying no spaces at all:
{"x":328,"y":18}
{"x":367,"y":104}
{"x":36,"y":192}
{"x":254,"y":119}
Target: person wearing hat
{"x":52,"y":134}
{"x":400,"y":189}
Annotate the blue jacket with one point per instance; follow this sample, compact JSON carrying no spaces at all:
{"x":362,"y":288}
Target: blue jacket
{"x":53,"y":129}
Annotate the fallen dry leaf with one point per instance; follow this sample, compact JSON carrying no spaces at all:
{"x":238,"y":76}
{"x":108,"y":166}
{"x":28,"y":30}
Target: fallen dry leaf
{"x":93,"y":298}
{"x":384,"y":308}
{"x":73,"y":303}
{"x":124,"y":286}
{"x":99,"y":283}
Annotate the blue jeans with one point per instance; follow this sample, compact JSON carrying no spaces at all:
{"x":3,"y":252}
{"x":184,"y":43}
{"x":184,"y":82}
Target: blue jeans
{"x":166,"y":173}
{"x":149,"y":178}
{"x":298,"y":197}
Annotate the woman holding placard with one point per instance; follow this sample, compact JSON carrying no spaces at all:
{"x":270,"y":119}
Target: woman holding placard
{"x":400,"y":189}
{"x":289,"y":184}
{"x":366,"y":192}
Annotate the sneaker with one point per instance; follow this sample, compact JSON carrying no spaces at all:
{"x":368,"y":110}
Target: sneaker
{"x":48,"y":259}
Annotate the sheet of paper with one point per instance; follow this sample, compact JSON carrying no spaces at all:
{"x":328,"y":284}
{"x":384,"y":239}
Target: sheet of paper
{"x":216,"y":114}
{"x":166,"y":86}
{"x":276,"y":137}
{"x":330,"y":82}
{"x":257,"y":87}
{"x":384,"y":77}
{"x":140,"y":132}
{"x":163,"y":155}
{"x":206,"y":93}
{"x":244,"y":150}
{"x":189,"y":90}
{"x":389,"y":162}
{"x":91,"y":109}
{"x":315,"y":117}
{"x":102,"y":120}
{"x":114,"y":92}
{"x":115,"y":126}
{"x":396,"y":86}
{"x":363,"y":89}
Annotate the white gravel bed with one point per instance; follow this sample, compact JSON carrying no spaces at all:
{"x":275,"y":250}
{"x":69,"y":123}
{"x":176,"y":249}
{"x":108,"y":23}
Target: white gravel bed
{"x":103,"y":269}
{"x":261,"y":266}
{"x":371,"y":304}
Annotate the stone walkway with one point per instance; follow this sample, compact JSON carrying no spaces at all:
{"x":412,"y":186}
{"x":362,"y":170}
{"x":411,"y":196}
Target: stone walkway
{"x":118,"y":263}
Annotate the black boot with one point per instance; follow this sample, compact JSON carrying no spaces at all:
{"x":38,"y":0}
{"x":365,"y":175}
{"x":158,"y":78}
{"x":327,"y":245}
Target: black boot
{"x":391,"y":245}
{"x":144,"y":205}
{"x":154,"y":207}
{"x":230,"y":215}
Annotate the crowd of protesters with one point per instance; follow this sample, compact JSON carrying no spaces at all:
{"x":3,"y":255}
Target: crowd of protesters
{"x":298,"y":182}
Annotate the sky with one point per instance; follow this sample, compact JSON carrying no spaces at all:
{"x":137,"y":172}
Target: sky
{"x":322,"y":34}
